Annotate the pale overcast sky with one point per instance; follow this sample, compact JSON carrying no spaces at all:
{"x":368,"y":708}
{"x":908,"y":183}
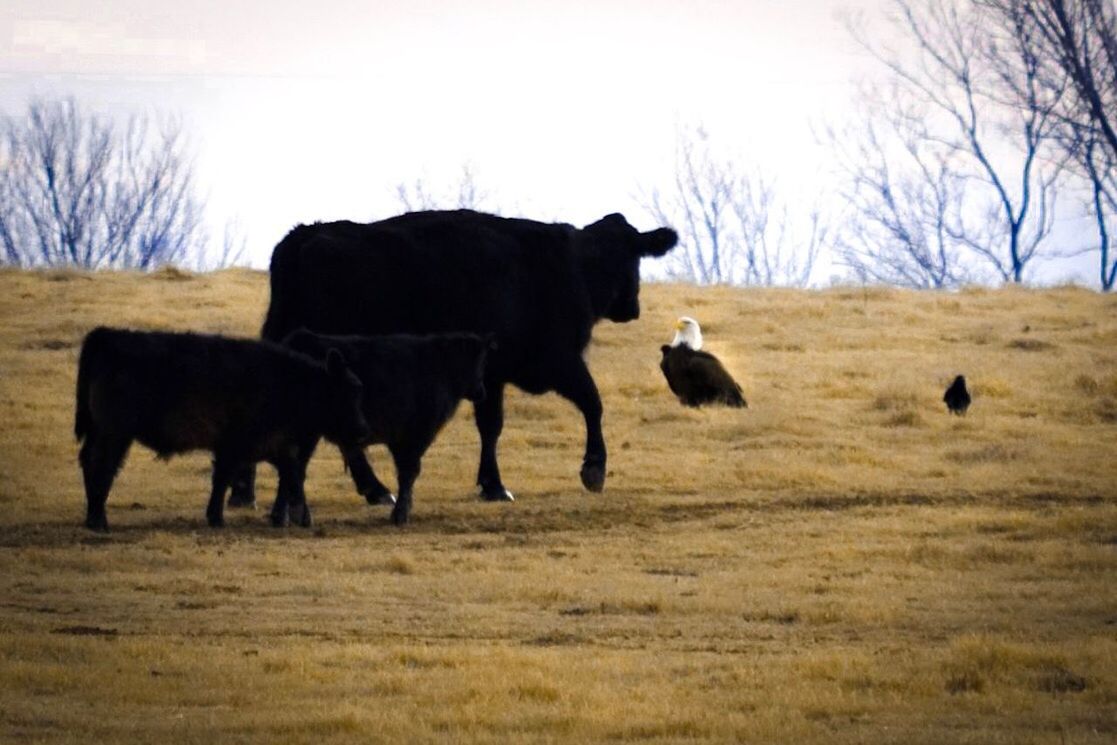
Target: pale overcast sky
{"x":311,"y":111}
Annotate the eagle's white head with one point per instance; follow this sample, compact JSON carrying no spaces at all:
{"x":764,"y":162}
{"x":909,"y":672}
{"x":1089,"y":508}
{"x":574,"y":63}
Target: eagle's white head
{"x":687,"y":332}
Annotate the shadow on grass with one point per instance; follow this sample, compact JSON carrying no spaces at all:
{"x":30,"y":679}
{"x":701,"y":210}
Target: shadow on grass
{"x":536,"y":514}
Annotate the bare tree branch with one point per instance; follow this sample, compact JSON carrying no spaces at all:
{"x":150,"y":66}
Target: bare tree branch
{"x":965,"y":73}
{"x":76,"y":189}
{"x":1071,"y":46}
{"x":464,"y":193}
{"x":905,"y":196}
{"x":733,"y":227}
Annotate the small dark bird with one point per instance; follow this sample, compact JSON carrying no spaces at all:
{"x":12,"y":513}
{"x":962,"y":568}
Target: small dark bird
{"x":957,"y":398}
{"x":697,"y":377}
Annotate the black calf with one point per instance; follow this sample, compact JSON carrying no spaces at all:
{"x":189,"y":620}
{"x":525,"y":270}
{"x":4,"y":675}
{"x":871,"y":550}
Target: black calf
{"x":412,"y":386}
{"x":246,"y":401}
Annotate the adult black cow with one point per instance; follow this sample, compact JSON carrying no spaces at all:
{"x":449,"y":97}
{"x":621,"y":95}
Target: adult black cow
{"x":243,"y":400}
{"x":539,"y":287}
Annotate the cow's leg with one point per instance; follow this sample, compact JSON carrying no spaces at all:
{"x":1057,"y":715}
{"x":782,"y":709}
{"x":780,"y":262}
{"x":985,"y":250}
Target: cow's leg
{"x":291,"y":498}
{"x":407,"y":467}
{"x":296,"y":504}
{"x":364,"y":478}
{"x":279,"y":510}
{"x":243,"y":493}
{"x":576,"y":385}
{"x":489,"y":415}
{"x":223,"y":469}
{"x":100,"y":459}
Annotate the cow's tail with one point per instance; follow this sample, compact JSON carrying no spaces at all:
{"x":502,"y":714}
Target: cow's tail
{"x":91,"y":351}
{"x":283,"y":310}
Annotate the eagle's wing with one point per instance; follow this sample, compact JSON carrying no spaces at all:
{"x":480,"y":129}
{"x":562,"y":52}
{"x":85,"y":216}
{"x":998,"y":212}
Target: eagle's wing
{"x":665,"y":365}
{"x":704,"y":369}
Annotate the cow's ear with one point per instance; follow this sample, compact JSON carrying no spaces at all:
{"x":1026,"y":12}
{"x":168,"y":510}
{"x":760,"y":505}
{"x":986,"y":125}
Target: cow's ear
{"x":491,"y":342}
{"x":335,"y":362}
{"x":657,"y":242}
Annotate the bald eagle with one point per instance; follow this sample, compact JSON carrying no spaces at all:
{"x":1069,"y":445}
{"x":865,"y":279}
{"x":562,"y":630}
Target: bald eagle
{"x":697,"y":377}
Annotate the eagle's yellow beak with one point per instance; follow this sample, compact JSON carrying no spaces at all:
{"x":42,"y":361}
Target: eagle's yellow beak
{"x":679,"y":325}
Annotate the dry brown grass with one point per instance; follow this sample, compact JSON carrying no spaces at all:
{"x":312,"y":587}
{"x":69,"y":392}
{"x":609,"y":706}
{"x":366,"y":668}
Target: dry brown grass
{"x":841,"y":562}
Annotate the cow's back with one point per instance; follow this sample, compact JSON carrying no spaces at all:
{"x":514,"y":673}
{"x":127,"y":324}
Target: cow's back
{"x":410,"y":382}
{"x":172,"y":392}
{"x":434,"y":272}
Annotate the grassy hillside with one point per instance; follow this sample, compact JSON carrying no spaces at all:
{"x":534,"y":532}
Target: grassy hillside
{"x":841,"y":562}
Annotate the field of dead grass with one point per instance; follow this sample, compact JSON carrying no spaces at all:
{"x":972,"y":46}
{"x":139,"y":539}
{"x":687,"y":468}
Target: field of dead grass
{"x":841,"y":562}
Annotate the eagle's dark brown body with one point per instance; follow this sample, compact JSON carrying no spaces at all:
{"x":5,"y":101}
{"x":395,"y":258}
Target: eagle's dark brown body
{"x":698,"y":378}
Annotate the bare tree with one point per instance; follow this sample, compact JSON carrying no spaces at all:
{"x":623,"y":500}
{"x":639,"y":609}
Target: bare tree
{"x":1074,"y":46}
{"x":775,"y":249}
{"x":698,"y":206}
{"x":229,"y":252}
{"x":905,"y":195}
{"x":1101,"y":175}
{"x":465,"y":193}
{"x":1079,"y":39}
{"x":960,"y":72}
{"x":733,"y":227}
{"x":78,"y":189}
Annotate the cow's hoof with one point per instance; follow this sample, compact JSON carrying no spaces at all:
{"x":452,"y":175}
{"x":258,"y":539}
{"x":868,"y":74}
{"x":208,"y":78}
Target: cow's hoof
{"x":97,"y":524}
{"x":399,"y":517}
{"x":497,"y":494}
{"x":278,"y":518}
{"x":300,"y":515}
{"x":385,"y":498}
{"x":241,"y":501}
{"x":216,"y":522}
{"x":593,"y":477}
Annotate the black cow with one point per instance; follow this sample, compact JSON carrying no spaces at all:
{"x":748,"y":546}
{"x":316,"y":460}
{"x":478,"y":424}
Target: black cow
{"x":245,"y":401}
{"x":539,"y":287}
{"x":412,"y":385}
